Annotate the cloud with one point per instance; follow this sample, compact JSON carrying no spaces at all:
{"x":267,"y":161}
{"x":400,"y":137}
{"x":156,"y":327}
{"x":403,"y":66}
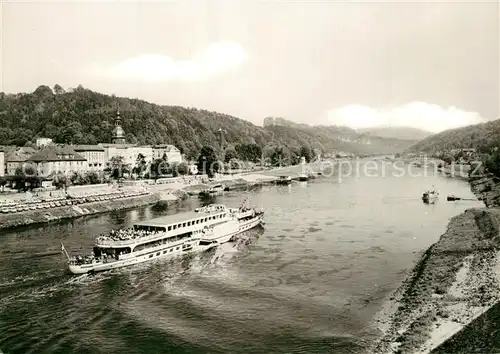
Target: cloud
{"x":419,"y":115}
{"x":217,"y":58}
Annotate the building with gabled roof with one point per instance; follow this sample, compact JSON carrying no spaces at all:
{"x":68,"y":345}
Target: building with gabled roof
{"x":53,"y":159}
{"x":16,"y":157}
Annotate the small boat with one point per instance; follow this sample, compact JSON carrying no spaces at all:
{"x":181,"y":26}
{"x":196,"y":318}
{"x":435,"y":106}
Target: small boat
{"x":430,"y":196}
{"x":284,"y":180}
{"x":218,"y":188}
{"x":452,"y":198}
{"x":303,"y":177}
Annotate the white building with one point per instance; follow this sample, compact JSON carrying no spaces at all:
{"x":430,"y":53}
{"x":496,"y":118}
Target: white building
{"x":42,"y":142}
{"x":173,"y":153}
{"x":94,"y":154}
{"x":126,"y":151}
{"x":130,"y":152}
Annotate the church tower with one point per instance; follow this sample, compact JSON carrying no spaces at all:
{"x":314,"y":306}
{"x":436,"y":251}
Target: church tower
{"x":118,"y":133}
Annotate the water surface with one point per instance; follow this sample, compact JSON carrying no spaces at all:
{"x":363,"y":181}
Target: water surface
{"x":311,"y":281}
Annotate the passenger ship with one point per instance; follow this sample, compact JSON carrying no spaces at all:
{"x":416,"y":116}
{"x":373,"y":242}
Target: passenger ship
{"x":166,"y":236}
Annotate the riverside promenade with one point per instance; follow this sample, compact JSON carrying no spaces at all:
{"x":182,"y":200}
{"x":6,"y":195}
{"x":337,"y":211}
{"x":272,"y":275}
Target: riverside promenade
{"x":43,"y":206}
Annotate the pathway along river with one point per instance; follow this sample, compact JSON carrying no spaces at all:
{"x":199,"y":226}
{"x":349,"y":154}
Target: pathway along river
{"x":310,"y":282}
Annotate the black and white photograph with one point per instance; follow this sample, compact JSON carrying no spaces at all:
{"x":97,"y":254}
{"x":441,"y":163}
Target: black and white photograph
{"x":249,"y":177}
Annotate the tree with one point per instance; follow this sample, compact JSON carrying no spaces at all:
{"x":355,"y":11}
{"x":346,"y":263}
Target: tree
{"x":78,"y":178}
{"x":249,"y":152}
{"x":278,"y":157}
{"x":230,"y":153}
{"x":207,"y":161}
{"x":117,"y":168}
{"x":306,"y":152}
{"x":61,"y":181}
{"x":30,"y":144}
{"x":141,"y":164}
{"x":492,"y":163}
{"x":3,"y":183}
{"x":183,"y":168}
{"x":92,"y":177}
{"x":58,"y":89}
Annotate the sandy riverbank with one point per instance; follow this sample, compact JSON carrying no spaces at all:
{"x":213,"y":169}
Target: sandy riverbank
{"x":456,"y":280}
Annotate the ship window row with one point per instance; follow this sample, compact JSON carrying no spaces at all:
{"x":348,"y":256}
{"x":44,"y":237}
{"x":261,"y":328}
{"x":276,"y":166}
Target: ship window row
{"x":195,"y":222}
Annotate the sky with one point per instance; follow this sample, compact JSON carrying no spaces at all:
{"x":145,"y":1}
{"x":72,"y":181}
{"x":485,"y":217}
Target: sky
{"x":428,"y":65}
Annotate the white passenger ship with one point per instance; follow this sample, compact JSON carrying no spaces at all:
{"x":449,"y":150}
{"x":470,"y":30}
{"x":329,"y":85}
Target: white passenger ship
{"x":166,"y":236}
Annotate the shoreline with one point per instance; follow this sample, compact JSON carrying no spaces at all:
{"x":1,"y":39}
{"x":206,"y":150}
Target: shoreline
{"x":169,"y":193}
{"x":455,"y":280}
{"x":39,"y":217}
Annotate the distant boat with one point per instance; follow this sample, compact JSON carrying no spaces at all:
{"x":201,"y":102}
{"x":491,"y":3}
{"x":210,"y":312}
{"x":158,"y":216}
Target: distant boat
{"x":430,"y":196}
{"x":303,"y":177}
{"x":452,"y":197}
{"x":284,"y":180}
{"x":216,"y":189}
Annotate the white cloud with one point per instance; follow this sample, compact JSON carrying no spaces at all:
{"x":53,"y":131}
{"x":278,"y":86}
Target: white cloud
{"x":218,"y":58}
{"x":420,"y":115}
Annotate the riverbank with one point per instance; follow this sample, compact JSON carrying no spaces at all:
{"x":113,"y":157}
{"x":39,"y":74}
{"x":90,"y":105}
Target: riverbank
{"x":168,"y":192}
{"x":456,"y":280}
{"x":74,"y":211}
{"x":487,"y":188}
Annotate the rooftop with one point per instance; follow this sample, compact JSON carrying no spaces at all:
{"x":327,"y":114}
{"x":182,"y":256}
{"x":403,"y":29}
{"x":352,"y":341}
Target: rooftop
{"x":56,"y":153}
{"x":175,"y":218}
{"x":18,"y":155}
{"x":167,"y":147}
{"x":118,"y":146}
{"x":87,"y":148}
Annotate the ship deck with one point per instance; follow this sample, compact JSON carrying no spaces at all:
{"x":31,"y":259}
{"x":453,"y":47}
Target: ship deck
{"x":163,"y":221}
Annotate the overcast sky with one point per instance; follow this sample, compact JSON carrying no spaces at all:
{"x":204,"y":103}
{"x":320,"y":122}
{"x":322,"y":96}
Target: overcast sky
{"x":427,"y":65}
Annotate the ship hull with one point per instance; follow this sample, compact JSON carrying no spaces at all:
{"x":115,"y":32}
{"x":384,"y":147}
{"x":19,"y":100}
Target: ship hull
{"x":225,"y":233}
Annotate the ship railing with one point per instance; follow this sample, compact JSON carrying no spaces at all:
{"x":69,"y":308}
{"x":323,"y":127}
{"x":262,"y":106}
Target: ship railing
{"x":129,"y":242}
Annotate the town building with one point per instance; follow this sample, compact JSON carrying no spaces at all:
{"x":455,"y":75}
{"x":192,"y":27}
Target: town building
{"x":15,"y":158}
{"x":173,"y":154}
{"x":94,"y":154}
{"x":126,"y":151}
{"x":2,"y":163}
{"x":131,"y":152}
{"x":42,"y":142}
{"x":120,"y":148}
{"x":53,"y":159}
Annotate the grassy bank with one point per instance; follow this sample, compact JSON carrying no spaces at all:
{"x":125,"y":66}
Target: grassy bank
{"x":454,"y":281}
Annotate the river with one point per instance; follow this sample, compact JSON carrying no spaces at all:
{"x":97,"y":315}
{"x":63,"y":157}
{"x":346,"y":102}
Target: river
{"x":311,"y":281}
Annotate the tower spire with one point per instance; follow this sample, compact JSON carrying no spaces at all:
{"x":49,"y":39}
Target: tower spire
{"x":118,"y":133}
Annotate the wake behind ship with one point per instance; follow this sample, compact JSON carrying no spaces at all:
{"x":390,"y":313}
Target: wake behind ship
{"x":166,"y":236}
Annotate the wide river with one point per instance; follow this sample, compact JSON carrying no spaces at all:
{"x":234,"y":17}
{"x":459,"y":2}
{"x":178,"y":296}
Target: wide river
{"x":311,"y":281}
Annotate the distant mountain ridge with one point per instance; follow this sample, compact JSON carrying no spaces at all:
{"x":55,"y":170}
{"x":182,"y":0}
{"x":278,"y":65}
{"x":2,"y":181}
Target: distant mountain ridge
{"x":482,"y":135}
{"x":347,"y":138}
{"x":403,"y":133}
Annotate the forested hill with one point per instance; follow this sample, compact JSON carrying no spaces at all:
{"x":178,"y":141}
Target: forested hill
{"x":480,"y":136}
{"x":81,"y":116}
